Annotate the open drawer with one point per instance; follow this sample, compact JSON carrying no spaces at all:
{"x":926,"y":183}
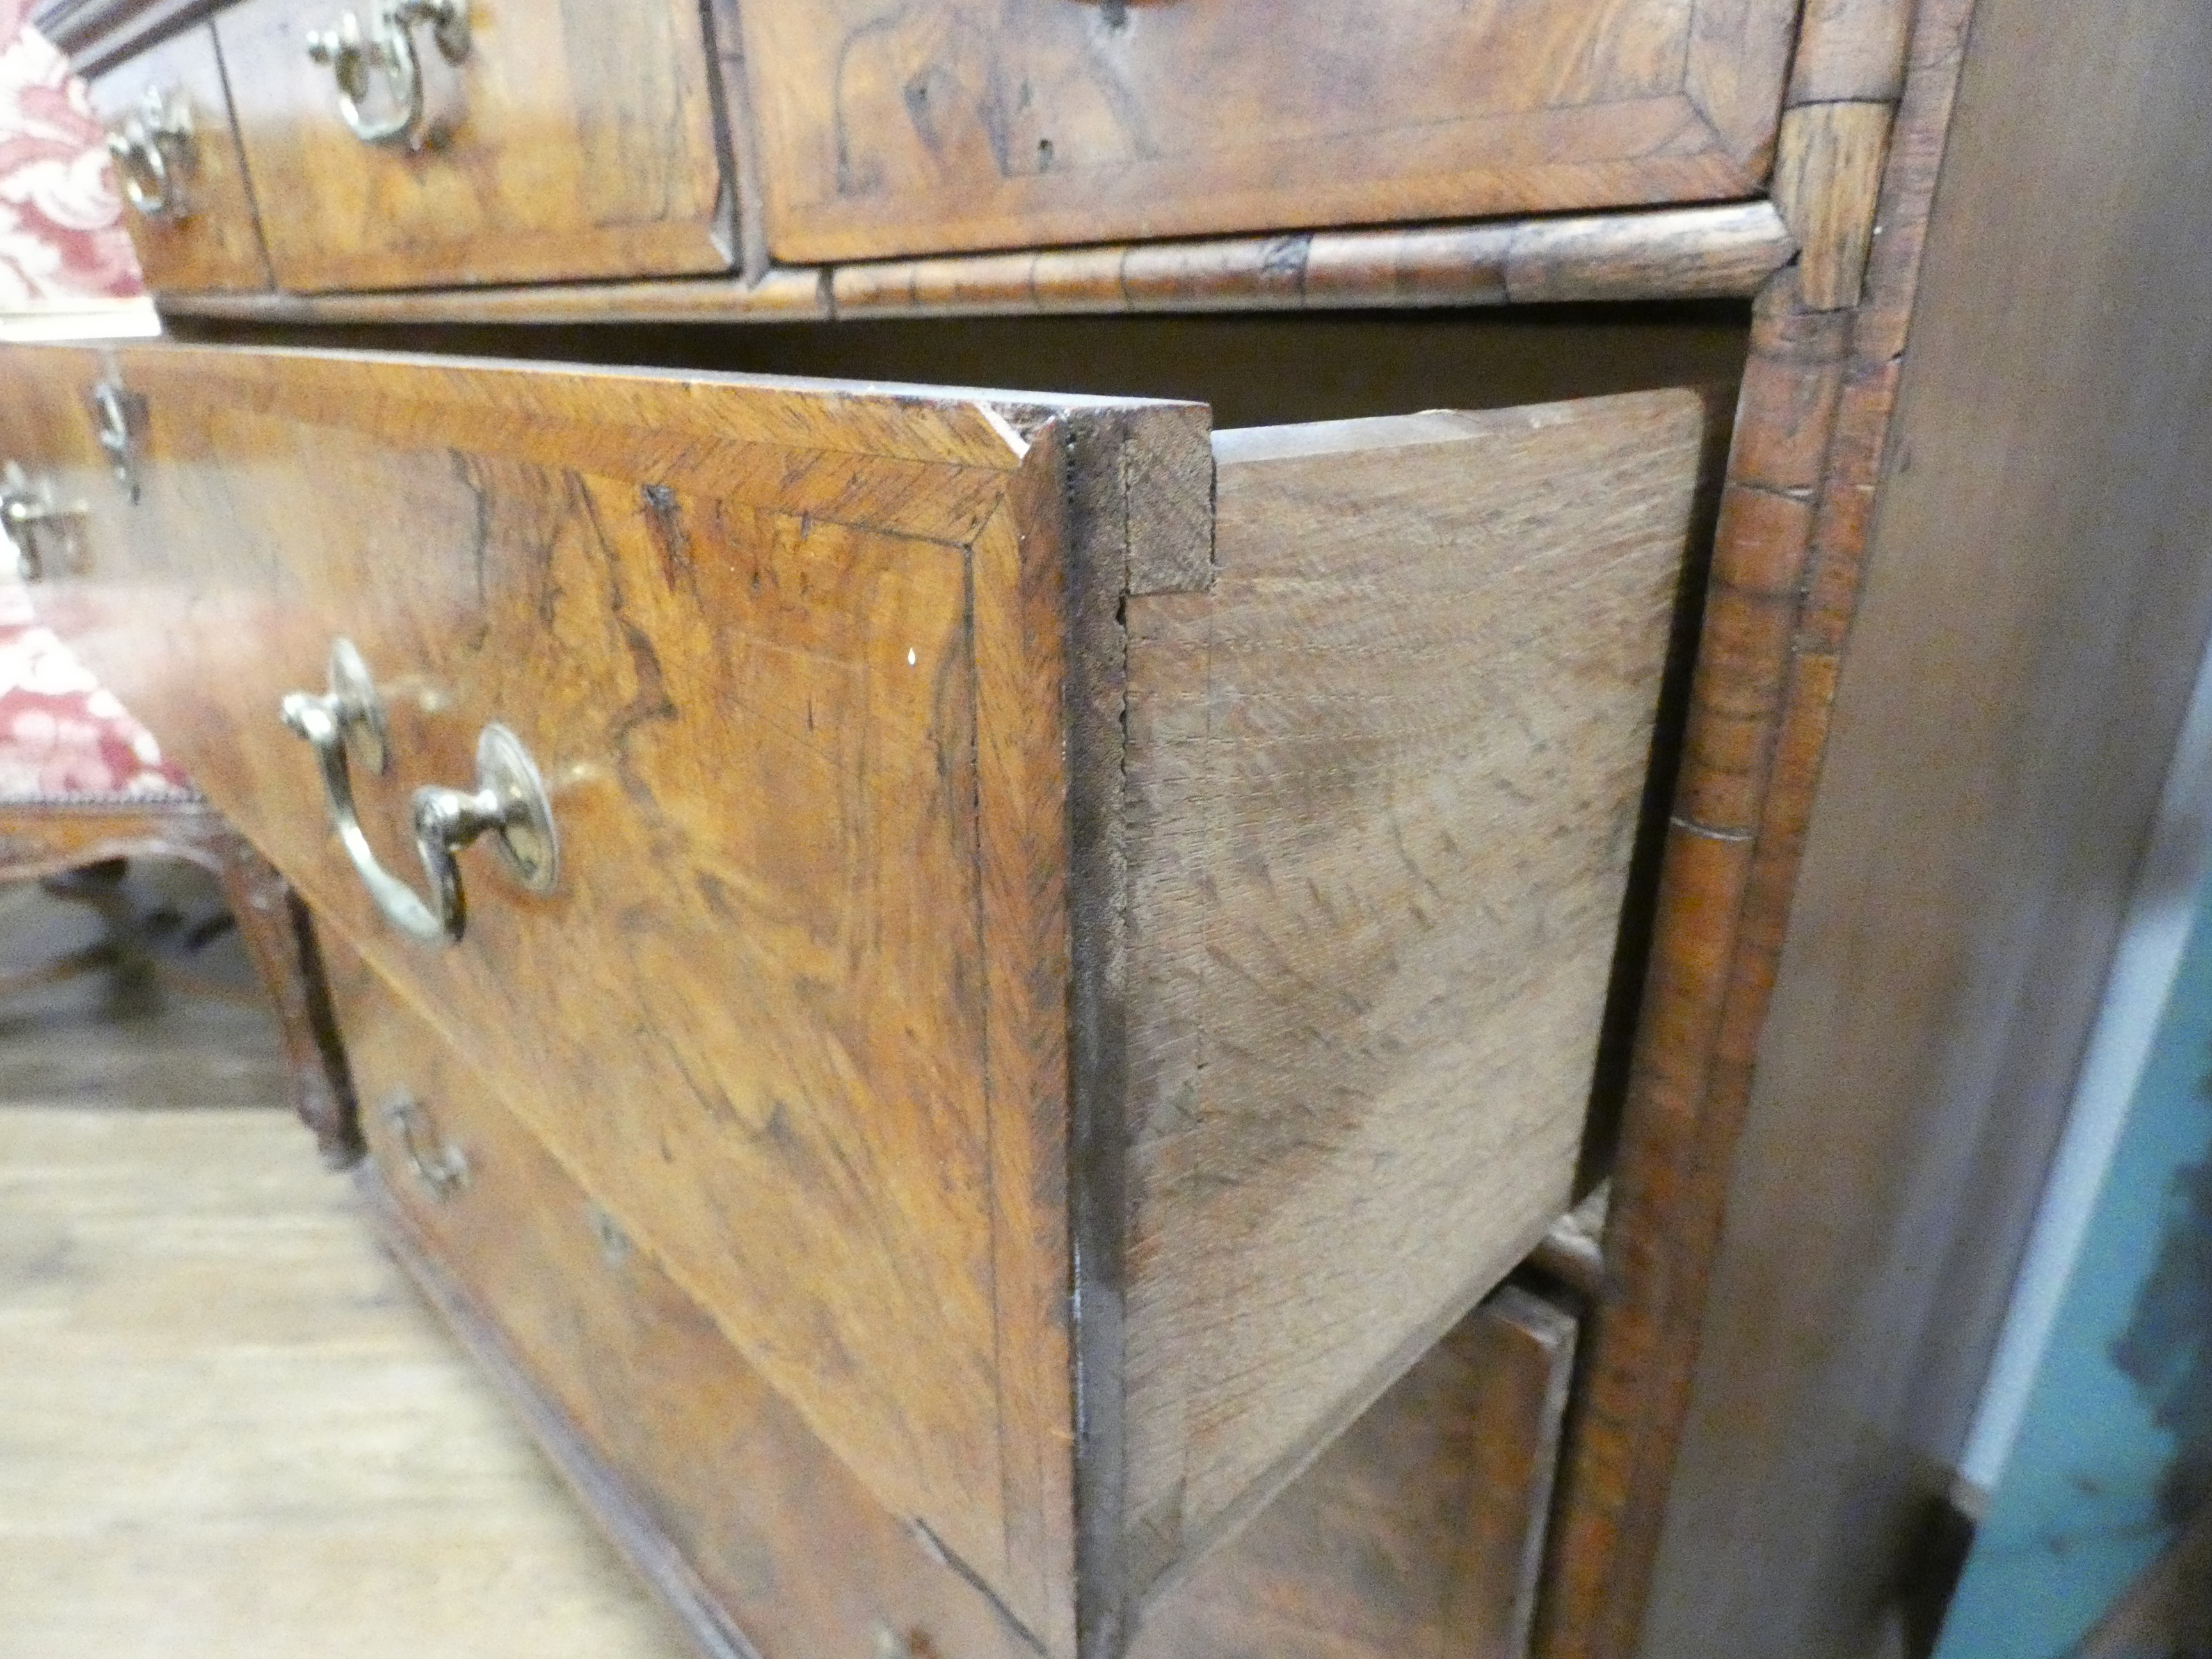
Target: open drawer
{"x":1078,"y":941}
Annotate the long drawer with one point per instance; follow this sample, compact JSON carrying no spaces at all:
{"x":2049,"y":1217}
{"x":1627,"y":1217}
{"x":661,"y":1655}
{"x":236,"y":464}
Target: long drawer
{"x":748,"y":1524}
{"x":1035,"y":892}
{"x":941,"y":125}
{"x":535,"y":141}
{"x":710,"y":1479}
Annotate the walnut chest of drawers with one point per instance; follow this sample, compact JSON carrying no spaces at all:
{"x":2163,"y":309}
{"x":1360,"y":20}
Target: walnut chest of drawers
{"x":973,"y":995}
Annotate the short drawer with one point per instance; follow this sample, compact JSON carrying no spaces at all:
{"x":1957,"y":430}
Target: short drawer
{"x":1042,"y":890}
{"x":942,"y":124}
{"x":725,"y":1498}
{"x":192,"y":213}
{"x":556,"y":139}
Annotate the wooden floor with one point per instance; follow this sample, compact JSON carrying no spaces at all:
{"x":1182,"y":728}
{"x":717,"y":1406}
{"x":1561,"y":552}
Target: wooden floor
{"x":197,"y":1036}
{"x":228,"y":1429}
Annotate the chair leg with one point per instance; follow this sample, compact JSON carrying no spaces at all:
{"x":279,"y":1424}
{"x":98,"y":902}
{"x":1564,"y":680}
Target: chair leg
{"x":274,"y":926}
{"x":100,"y":958}
{"x":126,"y":952}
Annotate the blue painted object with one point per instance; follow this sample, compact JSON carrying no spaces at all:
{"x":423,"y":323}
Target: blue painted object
{"x":2115,"y":1449}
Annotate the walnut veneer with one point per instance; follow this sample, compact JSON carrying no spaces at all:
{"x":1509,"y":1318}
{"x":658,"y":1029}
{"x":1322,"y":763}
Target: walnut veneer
{"x":1085,"y":943}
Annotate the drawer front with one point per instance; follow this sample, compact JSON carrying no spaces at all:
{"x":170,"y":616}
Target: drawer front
{"x":191,"y":213}
{"x":942,"y":124}
{"x":793,"y":1003}
{"x":776,"y":1532}
{"x":573,"y":139}
{"x":1447,"y":1478}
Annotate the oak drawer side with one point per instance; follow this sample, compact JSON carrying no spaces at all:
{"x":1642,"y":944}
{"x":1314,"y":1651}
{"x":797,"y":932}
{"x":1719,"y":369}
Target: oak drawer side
{"x":1384,"y":776}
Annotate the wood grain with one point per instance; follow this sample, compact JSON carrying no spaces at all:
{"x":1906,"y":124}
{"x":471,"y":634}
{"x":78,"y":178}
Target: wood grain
{"x":1019,"y":572}
{"x":943,"y":124}
{"x":43,"y":838}
{"x":740,"y":146}
{"x":784,"y":295}
{"x":760,"y":1015}
{"x":1828,"y":181}
{"x":1416,"y":1535}
{"x":2037,"y":542}
{"x":857,"y":1163}
{"x":1850,"y":50}
{"x":1814,"y":412}
{"x":1696,"y":252}
{"x":1683,"y":251}
{"x":1788,"y":404}
{"x":1687,"y":252}
{"x":799,"y":1015}
{"x":747,"y":1515}
{"x":582,"y":143}
{"x":1384,"y":776}
{"x":1413,"y":1535}
{"x":217,"y":245}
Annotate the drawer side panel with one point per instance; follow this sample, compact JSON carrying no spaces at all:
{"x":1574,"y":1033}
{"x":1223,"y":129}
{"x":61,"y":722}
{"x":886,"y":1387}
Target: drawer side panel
{"x":1383,"y":783}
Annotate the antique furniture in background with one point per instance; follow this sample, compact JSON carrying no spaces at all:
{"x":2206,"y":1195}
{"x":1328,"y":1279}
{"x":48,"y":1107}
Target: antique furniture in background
{"x":83,"y":784}
{"x":1027,"y":955}
{"x":66,"y":265}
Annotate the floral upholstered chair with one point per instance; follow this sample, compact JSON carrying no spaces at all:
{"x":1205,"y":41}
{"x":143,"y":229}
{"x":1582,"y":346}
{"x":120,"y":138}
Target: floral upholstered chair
{"x":64,"y":254}
{"x":83,"y":784}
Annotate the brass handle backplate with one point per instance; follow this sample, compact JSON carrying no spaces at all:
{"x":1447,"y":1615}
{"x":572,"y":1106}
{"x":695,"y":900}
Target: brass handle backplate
{"x":509,"y":803}
{"x":28,"y":507}
{"x":359,"y":59}
{"x":152,"y":152}
{"x":440,"y":1166}
{"x":119,"y":419}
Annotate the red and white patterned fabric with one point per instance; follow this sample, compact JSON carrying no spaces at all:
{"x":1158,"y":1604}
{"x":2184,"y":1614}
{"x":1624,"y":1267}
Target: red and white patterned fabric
{"x":62,"y":735}
{"x":61,"y":219}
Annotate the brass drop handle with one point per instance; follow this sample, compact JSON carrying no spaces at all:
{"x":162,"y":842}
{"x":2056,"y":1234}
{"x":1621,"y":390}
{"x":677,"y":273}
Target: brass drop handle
{"x":119,"y":419}
{"x":358,"y":59}
{"x":352,"y":704}
{"x":152,"y":149}
{"x":26,"y":507}
{"x":440,"y":1166}
{"x":509,"y":803}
